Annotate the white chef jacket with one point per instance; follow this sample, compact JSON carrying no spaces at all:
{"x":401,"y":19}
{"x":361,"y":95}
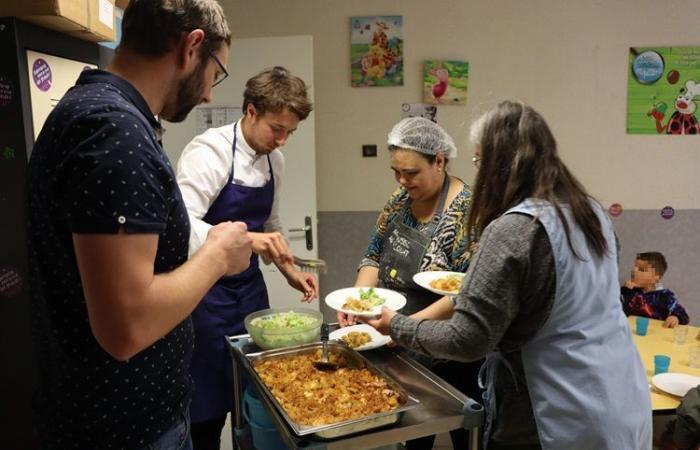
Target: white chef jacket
{"x":204,"y":168}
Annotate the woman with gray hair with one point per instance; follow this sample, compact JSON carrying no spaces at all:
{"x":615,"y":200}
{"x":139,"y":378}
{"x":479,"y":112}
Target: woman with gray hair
{"x":422,"y":227}
{"x":541,"y":301}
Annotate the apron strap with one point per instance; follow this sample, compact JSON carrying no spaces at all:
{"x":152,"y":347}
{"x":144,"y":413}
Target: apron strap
{"x":233,"y":157}
{"x":487,"y":381}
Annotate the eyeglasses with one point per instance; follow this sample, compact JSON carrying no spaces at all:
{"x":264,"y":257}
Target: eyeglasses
{"x":476,"y":159}
{"x":223,"y":74}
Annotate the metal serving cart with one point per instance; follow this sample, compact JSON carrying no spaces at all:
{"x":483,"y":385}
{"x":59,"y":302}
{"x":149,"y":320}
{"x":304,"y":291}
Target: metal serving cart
{"x":442,"y":407}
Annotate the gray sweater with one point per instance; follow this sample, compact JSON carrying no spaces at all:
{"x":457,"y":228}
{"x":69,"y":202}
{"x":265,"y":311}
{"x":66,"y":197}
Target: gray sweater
{"x":506,"y":297}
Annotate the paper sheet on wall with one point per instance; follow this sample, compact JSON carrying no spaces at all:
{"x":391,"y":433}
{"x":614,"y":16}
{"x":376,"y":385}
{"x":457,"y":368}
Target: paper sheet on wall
{"x":215,"y":116}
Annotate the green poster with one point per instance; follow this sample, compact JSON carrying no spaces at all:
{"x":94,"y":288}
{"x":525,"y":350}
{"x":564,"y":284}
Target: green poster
{"x":663,"y":90}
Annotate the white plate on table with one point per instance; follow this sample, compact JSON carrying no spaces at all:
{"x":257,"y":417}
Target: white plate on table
{"x":393,"y":300}
{"x":378,"y":339}
{"x":423,"y":279}
{"x":677,"y":384}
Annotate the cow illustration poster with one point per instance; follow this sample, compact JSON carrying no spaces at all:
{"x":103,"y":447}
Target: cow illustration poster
{"x":376,"y":51}
{"x":663,"y":90}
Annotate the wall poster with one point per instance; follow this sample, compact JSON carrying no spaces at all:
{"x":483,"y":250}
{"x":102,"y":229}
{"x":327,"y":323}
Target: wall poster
{"x":663,"y":90}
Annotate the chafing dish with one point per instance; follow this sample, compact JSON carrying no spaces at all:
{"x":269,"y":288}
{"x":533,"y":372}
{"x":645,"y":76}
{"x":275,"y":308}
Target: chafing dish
{"x":354,"y":360}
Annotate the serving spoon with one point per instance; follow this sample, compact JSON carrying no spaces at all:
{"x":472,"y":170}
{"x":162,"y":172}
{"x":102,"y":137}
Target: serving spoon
{"x":324,"y":363}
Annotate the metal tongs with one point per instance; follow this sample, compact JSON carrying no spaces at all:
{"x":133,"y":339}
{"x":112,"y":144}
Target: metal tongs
{"x":324,"y":363}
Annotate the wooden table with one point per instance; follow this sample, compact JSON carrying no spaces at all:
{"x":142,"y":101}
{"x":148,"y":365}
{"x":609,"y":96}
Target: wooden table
{"x":659,"y":340}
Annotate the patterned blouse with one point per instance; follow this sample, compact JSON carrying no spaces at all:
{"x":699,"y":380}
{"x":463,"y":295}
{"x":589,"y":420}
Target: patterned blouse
{"x":658,"y":304}
{"x":449,"y":247}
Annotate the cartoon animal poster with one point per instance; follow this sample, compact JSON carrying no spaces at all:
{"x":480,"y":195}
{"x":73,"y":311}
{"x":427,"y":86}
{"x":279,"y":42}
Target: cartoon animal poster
{"x":376,"y":51}
{"x":445,"y":82}
{"x":663,"y":90}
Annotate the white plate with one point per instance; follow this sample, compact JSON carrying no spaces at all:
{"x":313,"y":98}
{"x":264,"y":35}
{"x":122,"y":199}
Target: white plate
{"x":677,"y":384}
{"x":378,"y":339}
{"x":336,"y":300}
{"x":423,"y":279}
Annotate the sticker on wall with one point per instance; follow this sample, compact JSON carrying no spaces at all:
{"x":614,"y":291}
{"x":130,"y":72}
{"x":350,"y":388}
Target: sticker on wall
{"x":41,"y":72}
{"x":615,"y":210}
{"x":10,"y":282}
{"x":658,"y":104}
{"x":667,"y":212}
{"x":6,"y":92}
{"x":445,"y":82}
{"x":419,"y":110}
{"x":376,"y":51}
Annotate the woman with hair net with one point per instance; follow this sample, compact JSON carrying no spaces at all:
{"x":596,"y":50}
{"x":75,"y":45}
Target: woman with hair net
{"x":422,"y":227}
{"x":541,"y":299}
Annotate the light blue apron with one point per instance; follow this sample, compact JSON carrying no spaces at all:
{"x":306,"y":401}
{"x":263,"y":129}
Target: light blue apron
{"x":586,"y":382}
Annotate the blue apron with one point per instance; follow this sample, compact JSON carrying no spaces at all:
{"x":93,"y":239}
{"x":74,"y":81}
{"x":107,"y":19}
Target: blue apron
{"x":586,"y":382}
{"x":224,"y":307}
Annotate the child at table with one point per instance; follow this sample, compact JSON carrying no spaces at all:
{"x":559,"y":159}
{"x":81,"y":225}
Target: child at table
{"x":644,"y":295}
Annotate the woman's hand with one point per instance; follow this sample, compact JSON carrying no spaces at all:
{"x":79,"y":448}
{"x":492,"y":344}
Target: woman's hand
{"x":381,"y":323}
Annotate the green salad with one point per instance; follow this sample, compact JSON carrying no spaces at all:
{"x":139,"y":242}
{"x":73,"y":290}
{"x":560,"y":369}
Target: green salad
{"x":371,"y":296}
{"x":284,"y":329}
{"x":289,"y":319}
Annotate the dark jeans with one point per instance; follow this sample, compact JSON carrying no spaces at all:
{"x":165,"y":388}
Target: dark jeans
{"x":207,"y":435}
{"x":464,"y":377}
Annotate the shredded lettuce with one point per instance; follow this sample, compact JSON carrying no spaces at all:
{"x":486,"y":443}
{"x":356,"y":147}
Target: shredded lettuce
{"x":289,"y":319}
{"x":371,"y":296}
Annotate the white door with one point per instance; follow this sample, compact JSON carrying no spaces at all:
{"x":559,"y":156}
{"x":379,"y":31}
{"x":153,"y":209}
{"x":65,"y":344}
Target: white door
{"x":298,"y":199}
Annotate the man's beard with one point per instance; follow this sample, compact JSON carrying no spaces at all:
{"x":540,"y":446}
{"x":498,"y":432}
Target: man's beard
{"x":189,"y":95}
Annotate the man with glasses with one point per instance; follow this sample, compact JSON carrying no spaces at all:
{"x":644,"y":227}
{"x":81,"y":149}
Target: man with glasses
{"x":112,"y":286}
{"x":235,"y":173}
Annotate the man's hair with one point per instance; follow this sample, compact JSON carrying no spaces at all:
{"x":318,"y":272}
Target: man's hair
{"x":656,"y":260}
{"x":276,"y":89}
{"x":153,"y":27}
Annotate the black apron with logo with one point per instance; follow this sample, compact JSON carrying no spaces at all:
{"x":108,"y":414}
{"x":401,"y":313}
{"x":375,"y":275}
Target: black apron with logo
{"x":402,"y":254}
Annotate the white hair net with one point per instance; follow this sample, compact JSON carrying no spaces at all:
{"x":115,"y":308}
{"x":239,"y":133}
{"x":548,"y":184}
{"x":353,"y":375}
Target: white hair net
{"x":422,"y":135}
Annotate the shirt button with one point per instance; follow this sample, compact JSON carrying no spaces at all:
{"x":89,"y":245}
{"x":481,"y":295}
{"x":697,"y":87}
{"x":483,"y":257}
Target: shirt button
{"x":121,"y":219}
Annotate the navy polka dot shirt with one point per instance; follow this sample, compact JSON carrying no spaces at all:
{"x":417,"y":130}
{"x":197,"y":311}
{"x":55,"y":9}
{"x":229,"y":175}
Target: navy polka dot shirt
{"x":98,"y":167}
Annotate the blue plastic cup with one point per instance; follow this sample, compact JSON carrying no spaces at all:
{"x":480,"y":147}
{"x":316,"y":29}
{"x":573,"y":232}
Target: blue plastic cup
{"x":642,"y":326}
{"x":661,"y":363}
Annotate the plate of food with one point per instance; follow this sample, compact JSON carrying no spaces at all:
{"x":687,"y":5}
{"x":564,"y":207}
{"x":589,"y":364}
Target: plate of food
{"x":364,"y":301}
{"x":360,"y":337}
{"x":440,"y":282}
{"x":677,"y":384}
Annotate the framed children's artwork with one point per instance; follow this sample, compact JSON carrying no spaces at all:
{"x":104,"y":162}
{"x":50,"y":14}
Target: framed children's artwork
{"x":445,"y":82}
{"x":663,"y":89}
{"x":376,"y":51}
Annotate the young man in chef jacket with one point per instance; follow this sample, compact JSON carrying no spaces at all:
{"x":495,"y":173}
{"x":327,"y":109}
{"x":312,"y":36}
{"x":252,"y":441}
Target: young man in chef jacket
{"x":235,"y":173}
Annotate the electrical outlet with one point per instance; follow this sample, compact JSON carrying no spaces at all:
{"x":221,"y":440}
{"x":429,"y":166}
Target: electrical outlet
{"x":369,"y":151}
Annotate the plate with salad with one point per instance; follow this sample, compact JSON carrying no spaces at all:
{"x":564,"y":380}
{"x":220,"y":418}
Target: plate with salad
{"x":364,"y":301}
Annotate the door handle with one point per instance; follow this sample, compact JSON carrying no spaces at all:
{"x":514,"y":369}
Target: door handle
{"x":307,"y":228}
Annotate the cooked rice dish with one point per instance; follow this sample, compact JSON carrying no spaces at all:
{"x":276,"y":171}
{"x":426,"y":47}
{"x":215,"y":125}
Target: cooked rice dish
{"x":314,"y":397}
{"x":451,"y":283}
{"x":357,"y":304}
{"x":356,"y":338}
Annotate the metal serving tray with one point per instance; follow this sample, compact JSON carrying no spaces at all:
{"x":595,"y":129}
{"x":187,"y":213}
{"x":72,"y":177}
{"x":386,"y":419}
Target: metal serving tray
{"x":354,"y":360}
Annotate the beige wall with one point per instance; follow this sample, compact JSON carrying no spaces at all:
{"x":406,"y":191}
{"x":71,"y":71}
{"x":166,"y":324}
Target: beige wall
{"x":567,"y":58}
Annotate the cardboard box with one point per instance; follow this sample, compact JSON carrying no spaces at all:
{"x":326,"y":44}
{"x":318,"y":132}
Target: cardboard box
{"x":91,"y":20}
{"x":101,"y":22}
{"x":122,"y":3}
{"x":60,"y":15}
